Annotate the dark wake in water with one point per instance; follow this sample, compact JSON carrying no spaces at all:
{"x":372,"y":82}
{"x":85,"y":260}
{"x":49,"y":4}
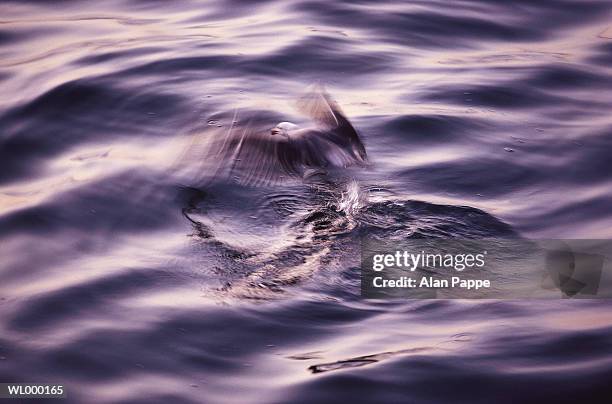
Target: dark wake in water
{"x":307,"y":227}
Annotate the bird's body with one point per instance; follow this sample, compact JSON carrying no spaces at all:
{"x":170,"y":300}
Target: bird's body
{"x":265,"y":156}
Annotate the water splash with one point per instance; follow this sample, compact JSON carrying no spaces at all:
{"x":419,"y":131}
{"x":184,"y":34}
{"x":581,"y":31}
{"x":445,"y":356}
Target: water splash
{"x":352,"y":199}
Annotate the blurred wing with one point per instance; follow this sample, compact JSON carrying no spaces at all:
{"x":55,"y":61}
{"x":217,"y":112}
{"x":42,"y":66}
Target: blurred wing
{"x":319,"y":106}
{"x":318,"y":149}
{"x":262,"y":159}
{"x":252,"y":156}
{"x":333,"y":124}
{"x":200,"y":161}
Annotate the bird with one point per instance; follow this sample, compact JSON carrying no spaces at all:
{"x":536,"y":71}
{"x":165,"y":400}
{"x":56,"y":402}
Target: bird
{"x":266,"y":156}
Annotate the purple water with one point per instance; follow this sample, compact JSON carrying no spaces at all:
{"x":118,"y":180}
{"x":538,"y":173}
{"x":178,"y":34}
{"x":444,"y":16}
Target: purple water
{"x":481,"y":119}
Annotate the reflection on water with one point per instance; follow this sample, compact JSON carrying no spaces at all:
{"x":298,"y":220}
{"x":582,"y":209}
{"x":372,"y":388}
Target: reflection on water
{"x":126,"y":280}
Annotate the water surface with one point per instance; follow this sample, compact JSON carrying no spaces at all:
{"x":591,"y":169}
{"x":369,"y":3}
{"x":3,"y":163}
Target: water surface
{"x":126,"y":280}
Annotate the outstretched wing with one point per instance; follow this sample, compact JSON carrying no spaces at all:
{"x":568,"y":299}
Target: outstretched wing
{"x":319,"y":106}
{"x":250,"y":155}
{"x":318,"y":149}
{"x":325,"y":112}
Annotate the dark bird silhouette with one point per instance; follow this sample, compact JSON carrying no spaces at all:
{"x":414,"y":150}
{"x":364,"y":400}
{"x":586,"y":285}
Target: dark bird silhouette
{"x":271,"y":155}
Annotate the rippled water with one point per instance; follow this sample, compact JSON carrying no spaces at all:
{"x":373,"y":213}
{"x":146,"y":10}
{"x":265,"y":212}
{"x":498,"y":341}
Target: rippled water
{"x":127,"y":280}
